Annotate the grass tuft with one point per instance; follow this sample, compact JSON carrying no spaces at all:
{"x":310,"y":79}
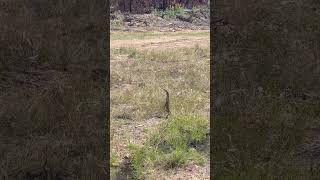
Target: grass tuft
{"x":174,"y":144}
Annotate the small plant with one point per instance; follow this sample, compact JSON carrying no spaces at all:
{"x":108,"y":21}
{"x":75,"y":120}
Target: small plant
{"x":113,"y":160}
{"x":176,"y":158}
{"x":115,"y":24}
{"x":137,"y":160}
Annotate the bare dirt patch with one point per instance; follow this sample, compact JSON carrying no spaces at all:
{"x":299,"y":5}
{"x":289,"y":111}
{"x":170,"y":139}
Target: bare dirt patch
{"x":184,"y":38}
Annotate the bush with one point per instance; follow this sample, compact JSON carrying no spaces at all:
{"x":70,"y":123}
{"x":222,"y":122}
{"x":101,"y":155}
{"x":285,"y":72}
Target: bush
{"x":170,"y":12}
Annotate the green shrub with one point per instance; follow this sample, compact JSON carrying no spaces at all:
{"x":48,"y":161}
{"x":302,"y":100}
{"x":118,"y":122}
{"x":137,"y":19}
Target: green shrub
{"x":170,"y":12}
{"x":137,"y":160}
{"x":115,"y":24}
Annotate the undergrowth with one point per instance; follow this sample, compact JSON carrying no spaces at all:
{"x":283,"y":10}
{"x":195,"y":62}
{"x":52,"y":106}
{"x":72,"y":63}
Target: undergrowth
{"x":170,"y":12}
{"x":115,"y":23}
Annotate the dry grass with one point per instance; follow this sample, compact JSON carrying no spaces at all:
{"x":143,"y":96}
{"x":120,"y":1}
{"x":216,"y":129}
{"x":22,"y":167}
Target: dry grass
{"x":179,"y":70}
{"x":154,"y":34}
{"x":137,"y":78}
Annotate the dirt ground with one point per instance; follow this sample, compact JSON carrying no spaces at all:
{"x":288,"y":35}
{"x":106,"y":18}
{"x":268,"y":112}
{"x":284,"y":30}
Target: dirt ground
{"x":131,"y":121}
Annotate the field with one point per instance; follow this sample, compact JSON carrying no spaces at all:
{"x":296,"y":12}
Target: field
{"x":144,"y":143}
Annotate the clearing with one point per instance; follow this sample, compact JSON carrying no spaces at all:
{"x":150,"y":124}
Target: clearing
{"x":141,"y":64}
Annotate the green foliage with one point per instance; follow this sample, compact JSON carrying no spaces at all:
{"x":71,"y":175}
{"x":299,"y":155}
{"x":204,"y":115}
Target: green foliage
{"x":115,"y":23}
{"x":172,"y":145}
{"x":113,"y":160}
{"x":181,"y":132}
{"x":170,"y":12}
{"x":137,"y":160}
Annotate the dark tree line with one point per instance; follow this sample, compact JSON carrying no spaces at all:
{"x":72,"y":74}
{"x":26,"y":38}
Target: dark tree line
{"x":141,"y":6}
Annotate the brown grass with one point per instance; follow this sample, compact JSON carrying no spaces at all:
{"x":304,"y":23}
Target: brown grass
{"x":137,"y":100}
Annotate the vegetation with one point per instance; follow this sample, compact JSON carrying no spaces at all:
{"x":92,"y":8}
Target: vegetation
{"x":173,"y":145}
{"x":152,"y":35}
{"x":152,"y":98}
{"x":115,"y":23}
{"x":145,"y":6}
{"x":170,"y":12}
{"x":138,"y":75}
{"x":265,"y":99}
{"x":51,"y":113}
